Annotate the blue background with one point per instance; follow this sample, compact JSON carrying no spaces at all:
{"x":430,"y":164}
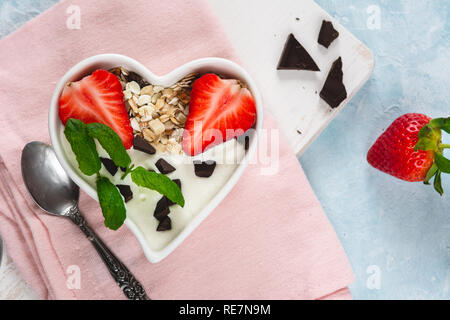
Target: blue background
{"x":399,"y":229}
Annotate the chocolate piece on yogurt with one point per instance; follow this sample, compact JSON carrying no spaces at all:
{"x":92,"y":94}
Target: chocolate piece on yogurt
{"x":109,"y":165}
{"x":170,"y":202}
{"x":125,"y":191}
{"x":204,"y":169}
{"x":165,"y":224}
{"x":166,"y":201}
{"x":178,"y":182}
{"x":327,"y":34}
{"x":162,"y":209}
{"x":164,"y":167}
{"x":141,"y":144}
{"x":333,"y":91}
{"x":295,"y":57}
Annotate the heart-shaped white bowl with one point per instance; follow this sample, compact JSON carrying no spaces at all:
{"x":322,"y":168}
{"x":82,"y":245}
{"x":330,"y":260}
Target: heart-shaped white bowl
{"x":107,"y":61}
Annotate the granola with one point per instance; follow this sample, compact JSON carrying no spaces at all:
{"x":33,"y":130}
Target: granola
{"x":156,"y":113}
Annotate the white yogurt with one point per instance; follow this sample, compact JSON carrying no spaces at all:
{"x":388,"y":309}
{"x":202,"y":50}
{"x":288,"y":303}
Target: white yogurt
{"x":197,"y":191}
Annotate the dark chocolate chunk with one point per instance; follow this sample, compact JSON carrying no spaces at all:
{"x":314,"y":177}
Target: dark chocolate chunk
{"x":123,"y":169}
{"x":109,"y":165}
{"x":166,"y":201}
{"x":165,"y":224}
{"x":327,"y":34}
{"x":125,"y":191}
{"x":164,"y":198}
{"x":204,"y":169}
{"x":164,"y":167}
{"x":162,"y":208}
{"x":143,"y":145}
{"x":295,"y":57}
{"x":178,"y":182}
{"x":333,"y":91}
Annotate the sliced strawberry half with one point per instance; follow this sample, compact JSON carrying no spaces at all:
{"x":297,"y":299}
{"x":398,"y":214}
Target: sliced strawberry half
{"x":219,"y":110}
{"x":97,"y":98}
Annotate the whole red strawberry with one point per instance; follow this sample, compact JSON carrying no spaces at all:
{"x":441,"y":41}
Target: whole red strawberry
{"x":411,"y":149}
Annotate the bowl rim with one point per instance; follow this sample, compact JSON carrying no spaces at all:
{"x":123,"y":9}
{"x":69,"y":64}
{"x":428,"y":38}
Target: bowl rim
{"x":214,"y":63}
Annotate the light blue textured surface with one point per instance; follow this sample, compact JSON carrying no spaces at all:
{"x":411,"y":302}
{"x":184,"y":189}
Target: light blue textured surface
{"x":402,"y":229}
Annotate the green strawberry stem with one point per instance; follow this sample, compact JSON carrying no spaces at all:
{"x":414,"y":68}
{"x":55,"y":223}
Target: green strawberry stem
{"x":430,"y":139}
{"x":431,"y":173}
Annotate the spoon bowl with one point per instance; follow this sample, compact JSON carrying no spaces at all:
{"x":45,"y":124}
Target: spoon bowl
{"x":46,"y":180}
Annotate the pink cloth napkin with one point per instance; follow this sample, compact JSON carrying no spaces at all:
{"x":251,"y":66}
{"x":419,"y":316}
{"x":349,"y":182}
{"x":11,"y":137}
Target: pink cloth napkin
{"x":269,"y":238}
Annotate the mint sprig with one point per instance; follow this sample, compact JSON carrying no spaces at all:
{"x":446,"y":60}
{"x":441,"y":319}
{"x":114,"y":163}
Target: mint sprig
{"x":81,"y":138}
{"x":158,"y":182}
{"x":110,"y":141}
{"x":111,"y":202}
{"x":83,"y":146}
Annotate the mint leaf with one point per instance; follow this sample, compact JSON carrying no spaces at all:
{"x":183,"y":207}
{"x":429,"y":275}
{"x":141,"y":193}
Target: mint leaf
{"x":442,"y":162}
{"x":158,"y":182}
{"x":438,"y":183}
{"x":111,"y":142}
{"x":441,"y":123}
{"x":83,"y":146}
{"x":111,"y":203}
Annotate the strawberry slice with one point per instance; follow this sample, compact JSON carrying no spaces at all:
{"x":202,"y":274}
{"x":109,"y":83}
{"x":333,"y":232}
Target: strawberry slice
{"x":219,"y":110}
{"x":97,"y":98}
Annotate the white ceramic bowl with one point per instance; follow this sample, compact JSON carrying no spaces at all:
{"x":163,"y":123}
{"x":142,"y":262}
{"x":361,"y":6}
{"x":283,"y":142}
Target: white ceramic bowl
{"x":107,"y":61}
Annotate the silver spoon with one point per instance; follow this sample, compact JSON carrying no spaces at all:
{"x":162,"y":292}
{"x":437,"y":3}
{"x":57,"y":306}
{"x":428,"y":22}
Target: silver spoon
{"x":55,"y":193}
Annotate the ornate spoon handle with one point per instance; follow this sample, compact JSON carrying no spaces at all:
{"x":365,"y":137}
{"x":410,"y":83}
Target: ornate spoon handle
{"x":132,"y":289}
